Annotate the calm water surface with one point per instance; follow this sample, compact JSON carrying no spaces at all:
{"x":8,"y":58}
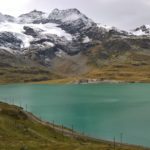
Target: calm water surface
{"x":100,"y":110}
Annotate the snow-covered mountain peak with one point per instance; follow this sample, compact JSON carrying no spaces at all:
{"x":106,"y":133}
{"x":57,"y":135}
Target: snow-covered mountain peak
{"x":68,"y":15}
{"x":33,"y":16}
{"x":34,"y":13}
{"x":56,"y":13}
{"x":143,"y":27}
{"x":142,"y":30}
{"x":6,"y":18}
{"x":40,"y":36}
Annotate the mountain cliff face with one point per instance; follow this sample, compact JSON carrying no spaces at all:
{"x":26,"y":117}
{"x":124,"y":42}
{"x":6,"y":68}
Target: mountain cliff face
{"x":67,"y":42}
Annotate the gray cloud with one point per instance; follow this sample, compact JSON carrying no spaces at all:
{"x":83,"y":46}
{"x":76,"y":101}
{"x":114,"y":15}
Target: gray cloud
{"x":125,"y":14}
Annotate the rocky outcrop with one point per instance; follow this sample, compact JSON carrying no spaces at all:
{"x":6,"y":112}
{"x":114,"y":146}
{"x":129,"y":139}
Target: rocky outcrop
{"x":9,"y":40}
{"x":30,"y":31}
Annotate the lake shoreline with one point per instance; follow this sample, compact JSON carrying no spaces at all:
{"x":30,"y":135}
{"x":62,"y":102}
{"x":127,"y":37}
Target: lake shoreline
{"x":85,"y":81}
{"x":70,"y":132}
{"x":107,"y":105}
{"x":77,"y":80}
{"x":75,"y":134}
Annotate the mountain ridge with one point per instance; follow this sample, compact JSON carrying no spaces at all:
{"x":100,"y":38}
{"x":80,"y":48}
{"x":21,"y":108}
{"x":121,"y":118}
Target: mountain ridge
{"x":68,"y":43}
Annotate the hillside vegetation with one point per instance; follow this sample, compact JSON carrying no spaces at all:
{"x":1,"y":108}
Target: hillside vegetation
{"x":20,"y":130}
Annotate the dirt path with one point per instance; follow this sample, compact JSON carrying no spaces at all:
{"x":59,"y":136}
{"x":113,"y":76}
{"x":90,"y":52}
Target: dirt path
{"x":73,"y":134}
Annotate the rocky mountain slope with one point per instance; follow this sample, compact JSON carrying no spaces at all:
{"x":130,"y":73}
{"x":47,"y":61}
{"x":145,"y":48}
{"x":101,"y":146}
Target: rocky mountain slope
{"x":68,"y":43}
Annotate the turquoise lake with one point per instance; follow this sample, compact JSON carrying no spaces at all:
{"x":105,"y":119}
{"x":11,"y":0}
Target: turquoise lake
{"x":102,"y":111}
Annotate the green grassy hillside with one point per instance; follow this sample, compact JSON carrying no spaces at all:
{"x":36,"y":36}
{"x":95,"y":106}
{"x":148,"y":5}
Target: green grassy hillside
{"x":20,"y":130}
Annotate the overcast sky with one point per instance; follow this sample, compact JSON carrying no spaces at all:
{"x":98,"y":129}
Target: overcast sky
{"x":125,"y":14}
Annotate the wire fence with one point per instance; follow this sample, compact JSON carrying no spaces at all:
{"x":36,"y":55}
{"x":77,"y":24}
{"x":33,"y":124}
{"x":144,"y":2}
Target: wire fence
{"x":72,"y":131}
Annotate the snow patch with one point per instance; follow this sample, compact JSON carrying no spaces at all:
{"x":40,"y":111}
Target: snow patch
{"x":139,"y":33}
{"x":147,"y":26}
{"x":86,"y":40}
{"x":108,"y":28}
{"x":18,"y":31}
{"x":51,"y":28}
{"x":11,"y":27}
{"x":49,"y":44}
{"x":60,"y":53}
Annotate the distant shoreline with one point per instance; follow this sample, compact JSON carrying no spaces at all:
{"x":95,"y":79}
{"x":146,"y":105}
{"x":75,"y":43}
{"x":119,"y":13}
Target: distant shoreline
{"x":74,"y":81}
{"x":84,"y":81}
